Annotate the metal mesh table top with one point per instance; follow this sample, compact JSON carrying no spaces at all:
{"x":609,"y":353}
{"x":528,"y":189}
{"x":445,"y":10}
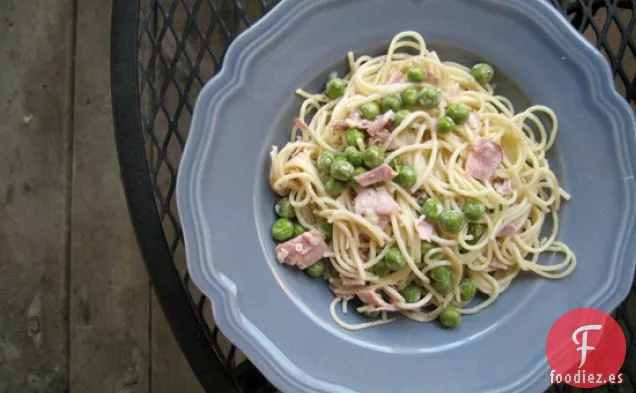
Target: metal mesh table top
{"x":163,"y":52}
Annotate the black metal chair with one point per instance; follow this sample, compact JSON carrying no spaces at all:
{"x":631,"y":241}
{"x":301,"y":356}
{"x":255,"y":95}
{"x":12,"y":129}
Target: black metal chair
{"x":162,"y":54}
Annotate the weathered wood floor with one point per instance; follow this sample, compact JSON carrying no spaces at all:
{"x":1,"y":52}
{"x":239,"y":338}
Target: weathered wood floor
{"x":77,"y":313}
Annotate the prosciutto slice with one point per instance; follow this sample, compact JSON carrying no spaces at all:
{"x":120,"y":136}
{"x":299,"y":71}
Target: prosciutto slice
{"x":372,"y":127}
{"x":378,"y":174}
{"x":496,"y":263}
{"x":424,"y":229}
{"x":380,"y":123}
{"x":503,"y":186}
{"x":474,"y":121}
{"x":300,"y":123}
{"x":351,"y":282}
{"x":431,"y":78}
{"x":378,"y":202}
{"x":513,"y":227}
{"x":373,"y":299}
{"x":483,"y":159}
{"x":380,"y":139}
{"x":303,"y":250}
{"x":396,"y":76}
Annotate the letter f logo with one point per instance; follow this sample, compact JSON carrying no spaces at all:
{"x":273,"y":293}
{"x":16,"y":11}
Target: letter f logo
{"x":584,"y":347}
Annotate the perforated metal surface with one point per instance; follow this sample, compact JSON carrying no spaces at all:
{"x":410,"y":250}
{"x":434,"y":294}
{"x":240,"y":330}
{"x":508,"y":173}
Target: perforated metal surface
{"x":180,"y":45}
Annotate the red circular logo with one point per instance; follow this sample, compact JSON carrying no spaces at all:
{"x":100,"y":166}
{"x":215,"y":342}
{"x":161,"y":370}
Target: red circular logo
{"x":586,"y":348}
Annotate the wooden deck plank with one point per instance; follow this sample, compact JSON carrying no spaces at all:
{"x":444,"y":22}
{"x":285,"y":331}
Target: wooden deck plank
{"x":35,"y":74}
{"x":170,"y":371}
{"x":109,"y":286}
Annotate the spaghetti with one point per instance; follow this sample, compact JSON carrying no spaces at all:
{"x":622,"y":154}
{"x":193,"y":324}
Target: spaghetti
{"x":426,"y":188}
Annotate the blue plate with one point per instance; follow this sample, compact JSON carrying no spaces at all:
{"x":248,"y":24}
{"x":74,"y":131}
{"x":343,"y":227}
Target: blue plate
{"x":280,"y":318}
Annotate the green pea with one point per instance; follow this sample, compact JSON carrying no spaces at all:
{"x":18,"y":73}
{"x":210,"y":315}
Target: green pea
{"x":369,"y":110}
{"x":325,"y":160}
{"x":443,"y":287}
{"x":445,"y":125}
{"x":283,"y":229}
{"x":298,"y":229}
{"x":341,"y":169}
{"x":411,"y":293}
{"x":335,"y":88}
{"x":476,"y":231}
{"x":409,"y":96}
{"x":428,"y":97}
{"x":458,"y":112}
{"x":357,"y":171}
{"x":394,"y":259}
{"x":317,"y":269}
{"x":432,"y":209}
{"x":381,"y":269}
{"x":395,"y":164}
{"x":467,"y":290}
{"x":353,"y":155}
{"x":483,"y":73}
{"x":406,"y":176}
{"x":391,"y":102}
{"x":416,"y":74}
{"x":425,"y":248}
{"x":474,"y":210}
{"x":325,"y":228}
{"x":354,"y":136}
{"x":373,"y":156}
{"x":441,"y":273}
{"x":451,"y":221}
{"x":284,"y":208}
{"x":449,"y":317}
{"x":400,"y":116}
{"x":334,"y":187}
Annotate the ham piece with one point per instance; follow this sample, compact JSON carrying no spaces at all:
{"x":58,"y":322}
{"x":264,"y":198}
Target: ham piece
{"x":483,"y":159}
{"x":351,"y":282}
{"x":513,"y":227}
{"x":354,"y":120}
{"x":378,"y":129}
{"x":503,"y":186}
{"x":432,"y":79}
{"x":376,"y":206}
{"x":474,"y":121}
{"x":496,"y":263}
{"x":396,"y":76}
{"x":371,"y":201}
{"x":372,"y":127}
{"x":384,"y":221}
{"x":373,"y":299}
{"x":300,"y":123}
{"x":424,"y":229}
{"x":380,"y":123}
{"x":378,"y":174}
{"x":380,"y":139}
{"x":303,"y":250}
